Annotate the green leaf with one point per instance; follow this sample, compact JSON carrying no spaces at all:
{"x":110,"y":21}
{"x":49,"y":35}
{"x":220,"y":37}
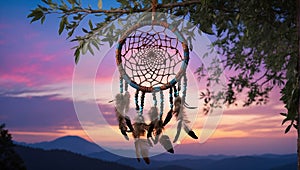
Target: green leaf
{"x":72,"y":2}
{"x":288,"y":128}
{"x":77,"y":55}
{"x":84,"y":30}
{"x":237,"y":17}
{"x":36,"y":14}
{"x":70,"y":33}
{"x":43,"y":19}
{"x":62,"y":24}
{"x":84,"y":48}
{"x":90,"y":24}
{"x":94,"y":42}
{"x":295,"y":126}
{"x":43,"y":8}
{"x":284,"y":120}
{"x":90,"y":49}
{"x":283,"y":114}
{"x":32,"y":14}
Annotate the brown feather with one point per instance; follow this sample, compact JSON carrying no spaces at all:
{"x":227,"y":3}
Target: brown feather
{"x":166,"y":143}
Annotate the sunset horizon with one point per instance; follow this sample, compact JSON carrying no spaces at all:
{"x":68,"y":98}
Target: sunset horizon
{"x":38,"y":77}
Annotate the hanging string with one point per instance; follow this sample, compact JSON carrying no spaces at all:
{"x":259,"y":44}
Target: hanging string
{"x":161,"y":104}
{"x":153,"y":6}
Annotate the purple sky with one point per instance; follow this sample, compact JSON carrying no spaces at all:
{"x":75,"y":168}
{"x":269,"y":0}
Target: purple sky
{"x":36,"y":73}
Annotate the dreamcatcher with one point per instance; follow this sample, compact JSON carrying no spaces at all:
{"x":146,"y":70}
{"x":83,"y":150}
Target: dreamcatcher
{"x":152,"y":62}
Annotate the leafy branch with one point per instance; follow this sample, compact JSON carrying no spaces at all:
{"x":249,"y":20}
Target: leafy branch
{"x":256,"y":39}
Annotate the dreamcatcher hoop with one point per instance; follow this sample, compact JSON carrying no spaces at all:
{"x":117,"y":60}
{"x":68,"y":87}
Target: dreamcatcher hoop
{"x":164,"y":86}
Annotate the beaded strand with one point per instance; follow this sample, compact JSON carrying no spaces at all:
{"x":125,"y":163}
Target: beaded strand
{"x":121,"y":85}
{"x":142,"y":103}
{"x":154,"y":99}
{"x":171,"y":97}
{"x":161,"y":104}
{"x":184,"y":88}
{"x":136,"y":100}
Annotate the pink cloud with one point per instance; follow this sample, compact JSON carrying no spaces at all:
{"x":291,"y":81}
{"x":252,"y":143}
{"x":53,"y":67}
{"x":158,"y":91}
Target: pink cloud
{"x":37,"y":66}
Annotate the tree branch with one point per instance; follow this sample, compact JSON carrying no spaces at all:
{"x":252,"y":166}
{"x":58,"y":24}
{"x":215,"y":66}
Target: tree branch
{"x":158,"y":6}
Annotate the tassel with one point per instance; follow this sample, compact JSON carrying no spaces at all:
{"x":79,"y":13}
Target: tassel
{"x":166,"y":143}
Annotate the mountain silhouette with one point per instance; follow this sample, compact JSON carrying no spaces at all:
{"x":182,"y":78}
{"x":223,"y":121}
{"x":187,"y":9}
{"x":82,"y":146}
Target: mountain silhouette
{"x":167,"y":161}
{"x":39,"y":159}
{"x":70,"y":143}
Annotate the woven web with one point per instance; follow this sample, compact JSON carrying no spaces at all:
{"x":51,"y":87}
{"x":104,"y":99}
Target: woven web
{"x":152,"y":57}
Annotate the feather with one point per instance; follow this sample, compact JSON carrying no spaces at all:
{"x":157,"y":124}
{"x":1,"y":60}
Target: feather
{"x":126,"y":101}
{"x":122,"y":123}
{"x":166,"y":143}
{"x":177,"y":107}
{"x":158,"y":127}
{"x":142,"y":149}
{"x":189,"y":131}
{"x":155,"y":141}
{"x":122,"y":107}
{"x":182,"y":118}
{"x":149,"y":142}
{"x":153,"y":113}
{"x":137,"y":150}
{"x":179,"y":125}
{"x":125,"y":134}
{"x":168,"y":117}
{"x":139,"y":127}
{"x":150,"y":130}
{"x":145,"y":150}
{"x":119,"y":103}
{"x":128,"y":123}
{"x":189,"y":107}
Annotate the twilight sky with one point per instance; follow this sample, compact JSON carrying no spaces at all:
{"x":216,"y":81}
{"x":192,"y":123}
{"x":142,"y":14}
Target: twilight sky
{"x":36,"y":103}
